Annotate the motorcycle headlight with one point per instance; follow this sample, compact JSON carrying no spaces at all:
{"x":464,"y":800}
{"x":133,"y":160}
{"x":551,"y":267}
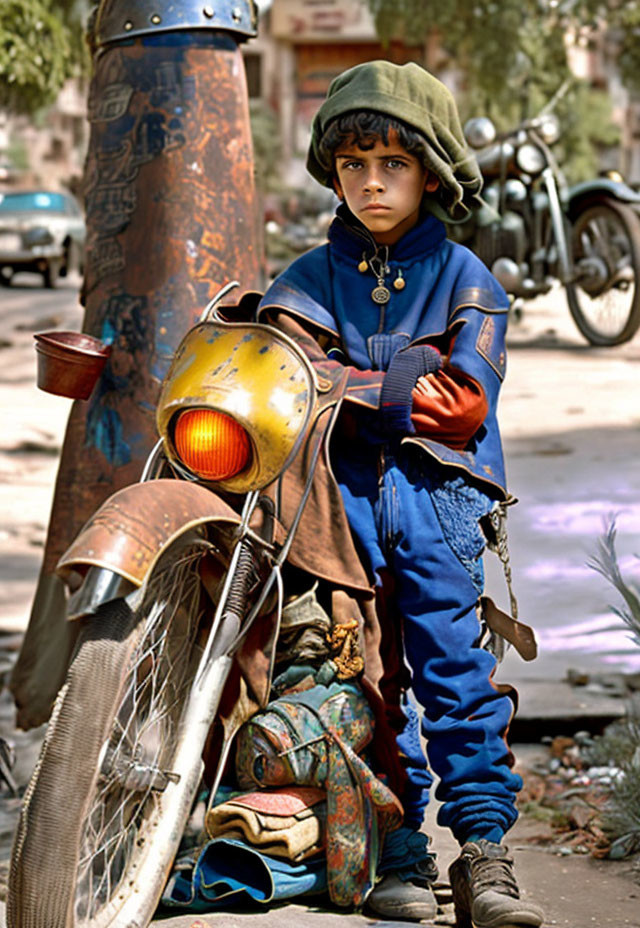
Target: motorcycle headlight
{"x":212,"y":445}
{"x":249,"y":393}
{"x":549,"y":129}
{"x":530,"y":158}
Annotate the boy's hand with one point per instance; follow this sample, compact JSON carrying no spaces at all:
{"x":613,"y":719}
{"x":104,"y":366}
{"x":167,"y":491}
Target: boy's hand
{"x":396,"y":399}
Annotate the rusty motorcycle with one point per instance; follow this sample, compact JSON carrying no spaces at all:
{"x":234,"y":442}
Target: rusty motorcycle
{"x":174,"y":580}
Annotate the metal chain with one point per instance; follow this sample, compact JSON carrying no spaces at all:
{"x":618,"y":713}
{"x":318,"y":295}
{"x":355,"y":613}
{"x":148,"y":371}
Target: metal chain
{"x":500,"y":545}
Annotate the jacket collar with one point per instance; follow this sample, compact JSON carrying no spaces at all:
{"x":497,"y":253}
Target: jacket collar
{"x":351,"y":237}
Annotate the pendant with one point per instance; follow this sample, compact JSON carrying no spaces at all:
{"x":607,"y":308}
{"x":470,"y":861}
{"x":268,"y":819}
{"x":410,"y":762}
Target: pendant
{"x":363,"y":267}
{"x":399,"y":282}
{"x":380,"y":294}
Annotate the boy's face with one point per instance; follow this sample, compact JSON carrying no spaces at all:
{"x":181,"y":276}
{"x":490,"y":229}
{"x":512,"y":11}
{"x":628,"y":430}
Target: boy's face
{"x":383,"y":186}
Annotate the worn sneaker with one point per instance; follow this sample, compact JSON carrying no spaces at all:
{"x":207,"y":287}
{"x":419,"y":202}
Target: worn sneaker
{"x":485,"y":891}
{"x":406,"y":894}
{"x":395,"y":898}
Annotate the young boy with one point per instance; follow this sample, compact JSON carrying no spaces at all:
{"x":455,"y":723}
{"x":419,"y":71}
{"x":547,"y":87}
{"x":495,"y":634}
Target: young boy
{"x":420,"y":323}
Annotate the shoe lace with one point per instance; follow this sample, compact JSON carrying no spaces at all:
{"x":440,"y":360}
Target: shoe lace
{"x":494,"y":873}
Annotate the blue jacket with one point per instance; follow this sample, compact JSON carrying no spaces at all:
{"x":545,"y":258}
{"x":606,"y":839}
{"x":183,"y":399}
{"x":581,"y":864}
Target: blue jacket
{"x":449,"y":297}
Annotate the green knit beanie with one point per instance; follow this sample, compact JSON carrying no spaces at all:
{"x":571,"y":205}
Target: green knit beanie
{"x":409,"y":93}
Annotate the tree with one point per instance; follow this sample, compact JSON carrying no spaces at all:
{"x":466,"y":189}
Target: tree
{"x":266,"y":143}
{"x":506,"y":49}
{"x":622,"y":19}
{"x":41,"y":45}
{"x":513,"y":57}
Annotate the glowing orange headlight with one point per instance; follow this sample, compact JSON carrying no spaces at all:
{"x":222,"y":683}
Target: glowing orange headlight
{"x":211,"y":444}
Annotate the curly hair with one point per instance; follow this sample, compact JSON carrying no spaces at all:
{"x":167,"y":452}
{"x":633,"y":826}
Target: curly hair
{"x":363,"y":128}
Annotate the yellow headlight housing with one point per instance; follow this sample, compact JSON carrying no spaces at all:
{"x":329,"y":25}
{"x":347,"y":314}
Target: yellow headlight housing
{"x":230,"y":380}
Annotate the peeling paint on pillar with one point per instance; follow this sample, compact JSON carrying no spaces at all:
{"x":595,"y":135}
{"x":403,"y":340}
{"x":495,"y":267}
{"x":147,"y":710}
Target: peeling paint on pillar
{"x":171,"y":216}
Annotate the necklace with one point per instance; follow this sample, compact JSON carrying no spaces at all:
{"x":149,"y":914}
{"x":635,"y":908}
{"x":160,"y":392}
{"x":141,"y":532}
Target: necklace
{"x":379,"y":268}
{"x":380,"y":293}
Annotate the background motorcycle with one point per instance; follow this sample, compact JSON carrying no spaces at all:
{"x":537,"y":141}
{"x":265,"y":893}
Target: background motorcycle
{"x":177,"y":580}
{"x":536,"y":230}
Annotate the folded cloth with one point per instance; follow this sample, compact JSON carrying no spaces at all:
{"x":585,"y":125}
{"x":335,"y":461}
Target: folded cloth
{"x":226,"y":872}
{"x":287,"y":822}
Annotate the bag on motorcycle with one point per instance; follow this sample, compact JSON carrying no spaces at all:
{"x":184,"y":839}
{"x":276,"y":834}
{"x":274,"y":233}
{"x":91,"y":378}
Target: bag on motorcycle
{"x":314,"y":738}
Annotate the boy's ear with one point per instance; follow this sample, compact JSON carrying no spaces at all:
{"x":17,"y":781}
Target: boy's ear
{"x":432,"y":182}
{"x":337,"y":187}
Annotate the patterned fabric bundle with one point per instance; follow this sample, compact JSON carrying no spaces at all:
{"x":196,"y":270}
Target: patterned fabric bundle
{"x":314,"y":738}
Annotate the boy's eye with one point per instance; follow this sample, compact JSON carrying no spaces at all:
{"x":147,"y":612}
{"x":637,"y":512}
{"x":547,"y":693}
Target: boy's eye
{"x":395,"y":163}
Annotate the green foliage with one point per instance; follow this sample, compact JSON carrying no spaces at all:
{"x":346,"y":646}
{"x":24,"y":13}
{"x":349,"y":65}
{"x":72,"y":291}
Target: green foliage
{"x":17,"y":155}
{"x":505,"y":48}
{"x":40,"y":47}
{"x":587,"y":129}
{"x":619,"y":747}
{"x":620,"y":744}
{"x":266,"y":144}
{"x":622,"y":18}
{"x":535,"y":810}
{"x":513,"y":58}
{"x":605,"y":562}
{"x":629,"y":54}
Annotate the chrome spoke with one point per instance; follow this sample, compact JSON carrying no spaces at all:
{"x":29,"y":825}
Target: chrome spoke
{"x":602,"y":241}
{"x":145,"y":726}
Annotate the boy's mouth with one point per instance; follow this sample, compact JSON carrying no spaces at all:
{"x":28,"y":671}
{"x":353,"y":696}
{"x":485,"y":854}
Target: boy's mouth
{"x":374,"y":207}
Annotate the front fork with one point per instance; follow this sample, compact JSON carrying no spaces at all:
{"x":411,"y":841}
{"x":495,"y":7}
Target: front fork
{"x":565,"y":262}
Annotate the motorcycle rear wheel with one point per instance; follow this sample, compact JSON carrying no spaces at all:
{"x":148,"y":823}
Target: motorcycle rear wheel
{"x":104,"y":796}
{"x":606,"y":237}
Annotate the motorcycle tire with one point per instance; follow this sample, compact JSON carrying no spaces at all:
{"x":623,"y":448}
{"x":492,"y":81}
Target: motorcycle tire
{"x":104,"y":812}
{"x":606,"y":235}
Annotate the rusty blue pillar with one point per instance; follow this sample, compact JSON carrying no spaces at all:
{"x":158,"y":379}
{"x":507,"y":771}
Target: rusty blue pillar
{"x":171,"y":215}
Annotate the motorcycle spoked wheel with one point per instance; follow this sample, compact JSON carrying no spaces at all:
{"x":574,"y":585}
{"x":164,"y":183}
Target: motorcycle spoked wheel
{"x":103,"y":791}
{"x":607,"y":233}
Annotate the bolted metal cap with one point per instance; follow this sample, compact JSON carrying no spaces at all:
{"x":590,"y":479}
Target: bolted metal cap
{"x":118,"y":20}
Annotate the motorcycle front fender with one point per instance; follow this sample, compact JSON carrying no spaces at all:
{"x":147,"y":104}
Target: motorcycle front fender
{"x":118,"y":547}
{"x":579,"y":195}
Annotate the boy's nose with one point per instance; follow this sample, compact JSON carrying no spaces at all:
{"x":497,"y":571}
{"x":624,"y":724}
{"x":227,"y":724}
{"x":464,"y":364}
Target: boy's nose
{"x":373,"y":183}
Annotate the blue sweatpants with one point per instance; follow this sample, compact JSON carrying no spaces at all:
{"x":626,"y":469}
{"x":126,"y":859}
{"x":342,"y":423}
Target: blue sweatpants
{"x":420,"y":522}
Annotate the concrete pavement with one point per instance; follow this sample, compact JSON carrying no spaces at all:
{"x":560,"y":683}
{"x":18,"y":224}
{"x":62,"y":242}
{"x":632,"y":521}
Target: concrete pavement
{"x":33,"y":424}
{"x":570,"y":420}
